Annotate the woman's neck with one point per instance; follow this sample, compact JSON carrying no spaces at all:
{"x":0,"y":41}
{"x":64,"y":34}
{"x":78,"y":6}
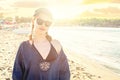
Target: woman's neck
{"x":40,"y":38}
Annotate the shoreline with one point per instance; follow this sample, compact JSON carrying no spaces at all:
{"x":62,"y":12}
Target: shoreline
{"x":81,"y":68}
{"x":91,"y":66}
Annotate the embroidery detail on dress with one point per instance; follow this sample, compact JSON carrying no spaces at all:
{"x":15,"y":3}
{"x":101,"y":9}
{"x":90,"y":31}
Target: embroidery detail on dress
{"x":44,"y":66}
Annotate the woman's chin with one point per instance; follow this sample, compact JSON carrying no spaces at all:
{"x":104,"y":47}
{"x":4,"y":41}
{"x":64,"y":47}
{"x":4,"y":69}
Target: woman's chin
{"x":42,"y":32}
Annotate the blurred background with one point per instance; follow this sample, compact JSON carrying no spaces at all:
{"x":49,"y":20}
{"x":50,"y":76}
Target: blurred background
{"x":103,"y":13}
{"x":86,"y":27}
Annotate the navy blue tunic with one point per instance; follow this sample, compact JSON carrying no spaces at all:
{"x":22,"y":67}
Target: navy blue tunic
{"x":27,"y":64}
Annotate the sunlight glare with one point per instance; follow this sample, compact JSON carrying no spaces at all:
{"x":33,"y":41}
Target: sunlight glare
{"x":65,"y":12}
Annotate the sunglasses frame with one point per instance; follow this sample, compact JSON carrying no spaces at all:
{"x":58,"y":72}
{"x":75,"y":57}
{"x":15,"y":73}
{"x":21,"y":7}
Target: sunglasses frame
{"x":39,"y":21}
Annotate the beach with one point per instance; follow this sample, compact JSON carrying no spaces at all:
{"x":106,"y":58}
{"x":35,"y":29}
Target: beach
{"x":81,"y":67}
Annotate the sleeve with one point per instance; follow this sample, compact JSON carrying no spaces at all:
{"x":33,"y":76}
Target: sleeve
{"x":18,"y":68}
{"x":64,"y":68}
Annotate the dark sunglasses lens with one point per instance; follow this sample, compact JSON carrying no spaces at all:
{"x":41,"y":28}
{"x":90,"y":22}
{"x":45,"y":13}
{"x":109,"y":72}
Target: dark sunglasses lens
{"x":47,"y":23}
{"x":40,"y":21}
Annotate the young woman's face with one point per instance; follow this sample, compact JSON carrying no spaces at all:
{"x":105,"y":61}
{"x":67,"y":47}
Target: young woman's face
{"x":42,"y":24}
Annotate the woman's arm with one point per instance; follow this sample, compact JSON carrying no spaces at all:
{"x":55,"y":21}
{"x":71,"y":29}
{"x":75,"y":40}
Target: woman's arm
{"x":18,"y":68}
{"x":64,"y":67}
{"x":64,"y":73}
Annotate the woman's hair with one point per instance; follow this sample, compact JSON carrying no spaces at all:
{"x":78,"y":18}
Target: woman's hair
{"x":36,"y":14}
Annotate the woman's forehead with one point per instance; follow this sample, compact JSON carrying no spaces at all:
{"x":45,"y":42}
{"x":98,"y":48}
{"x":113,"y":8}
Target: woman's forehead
{"x":45,"y":17}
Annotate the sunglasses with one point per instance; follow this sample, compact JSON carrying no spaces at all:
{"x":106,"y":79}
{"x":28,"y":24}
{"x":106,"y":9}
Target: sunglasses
{"x":40,"y":22}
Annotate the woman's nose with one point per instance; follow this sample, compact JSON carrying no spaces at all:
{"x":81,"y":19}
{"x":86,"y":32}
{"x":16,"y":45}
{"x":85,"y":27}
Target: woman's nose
{"x":43,"y":25}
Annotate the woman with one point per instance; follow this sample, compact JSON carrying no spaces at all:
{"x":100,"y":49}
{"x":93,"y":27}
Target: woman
{"x":41,"y":57}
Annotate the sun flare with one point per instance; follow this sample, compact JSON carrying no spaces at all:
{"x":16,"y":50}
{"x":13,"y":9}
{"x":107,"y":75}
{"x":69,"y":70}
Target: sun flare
{"x":61,"y":9}
{"x":66,"y":12}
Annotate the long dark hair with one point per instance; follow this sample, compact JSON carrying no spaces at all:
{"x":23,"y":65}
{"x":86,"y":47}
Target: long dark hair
{"x":37,"y":12}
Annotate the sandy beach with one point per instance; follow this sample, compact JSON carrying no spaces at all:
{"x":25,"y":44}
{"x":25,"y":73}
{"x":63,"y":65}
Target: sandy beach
{"x":81,"y":67}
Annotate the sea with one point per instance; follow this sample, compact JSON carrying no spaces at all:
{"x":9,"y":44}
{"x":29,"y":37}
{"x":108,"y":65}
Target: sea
{"x":99,"y":43}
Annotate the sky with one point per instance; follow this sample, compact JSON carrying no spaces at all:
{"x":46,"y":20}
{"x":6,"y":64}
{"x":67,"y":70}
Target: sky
{"x":62,"y":9}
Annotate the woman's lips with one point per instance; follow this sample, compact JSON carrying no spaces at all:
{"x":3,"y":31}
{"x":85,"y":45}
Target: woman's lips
{"x":42,"y":29}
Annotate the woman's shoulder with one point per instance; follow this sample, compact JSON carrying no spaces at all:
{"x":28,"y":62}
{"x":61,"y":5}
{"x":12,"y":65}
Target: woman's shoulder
{"x":56,"y":45}
{"x":22,"y":43}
